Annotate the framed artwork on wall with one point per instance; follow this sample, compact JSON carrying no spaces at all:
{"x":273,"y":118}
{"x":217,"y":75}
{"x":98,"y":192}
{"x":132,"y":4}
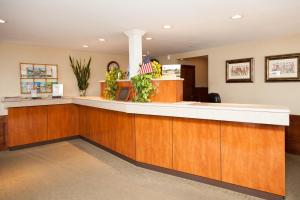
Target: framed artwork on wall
{"x":282,"y":68}
{"x":39,"y":76}
{"x":239,"y":70}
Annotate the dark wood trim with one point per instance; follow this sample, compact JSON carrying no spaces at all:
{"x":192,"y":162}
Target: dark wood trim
{"x":277,"y":57}
{"x":3,"y":132}
{"x":250,"y":80}
{"x":292,"y":137}
{"x":43,"y":143}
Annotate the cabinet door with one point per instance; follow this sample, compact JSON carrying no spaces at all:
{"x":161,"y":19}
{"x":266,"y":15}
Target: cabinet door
{"x":125,"y":136}
{"x":196,"y":147}
{"x":27,"y":125}
{"x":154,"y":140}
{"x":62,"y":121}
{"x":106,"y":128}
{"x":253,"y":156}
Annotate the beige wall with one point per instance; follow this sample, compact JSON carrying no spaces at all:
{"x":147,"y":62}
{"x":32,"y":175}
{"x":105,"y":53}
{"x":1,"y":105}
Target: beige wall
{"x":12,"y":54}
{"x":201,"y":69}
{"x":259,"y":92}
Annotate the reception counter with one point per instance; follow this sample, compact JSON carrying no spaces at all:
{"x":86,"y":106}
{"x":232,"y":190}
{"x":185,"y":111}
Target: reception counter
{"x":236,"y":144}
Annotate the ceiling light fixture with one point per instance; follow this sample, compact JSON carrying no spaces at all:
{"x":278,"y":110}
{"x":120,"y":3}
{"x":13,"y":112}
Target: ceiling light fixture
{"x":148,"y":38}
{"x":167,"y":26}
{"x":2,"y":21}
{"x":101,"y":39}
{"x":237,"y":16}
{"x":85,"y":46}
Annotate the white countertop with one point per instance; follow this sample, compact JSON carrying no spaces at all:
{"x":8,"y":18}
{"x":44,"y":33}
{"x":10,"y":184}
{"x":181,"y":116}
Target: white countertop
{"x":250,"y":113}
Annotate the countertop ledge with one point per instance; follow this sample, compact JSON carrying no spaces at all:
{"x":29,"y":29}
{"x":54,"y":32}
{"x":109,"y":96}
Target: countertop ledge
{"x":248,"y":113}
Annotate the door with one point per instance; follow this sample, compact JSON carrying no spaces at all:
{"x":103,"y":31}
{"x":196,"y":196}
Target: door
{"x":188,"y":74}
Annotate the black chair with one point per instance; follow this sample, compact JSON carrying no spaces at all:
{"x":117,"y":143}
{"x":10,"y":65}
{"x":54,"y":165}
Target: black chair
{"x":214,"y":98}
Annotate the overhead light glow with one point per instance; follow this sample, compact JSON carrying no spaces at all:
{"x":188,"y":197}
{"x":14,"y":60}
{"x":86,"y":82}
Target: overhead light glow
{"x":237,"y":16}
{"x":2,"y":21}
{"x":101,"y":39}
{"x":167,"y":26}
{"x":148,"y":38}
{"x":85,"y":46}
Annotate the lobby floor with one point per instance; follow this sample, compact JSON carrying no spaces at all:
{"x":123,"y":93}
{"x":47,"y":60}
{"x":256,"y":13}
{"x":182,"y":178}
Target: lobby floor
{"x":76,"y":170}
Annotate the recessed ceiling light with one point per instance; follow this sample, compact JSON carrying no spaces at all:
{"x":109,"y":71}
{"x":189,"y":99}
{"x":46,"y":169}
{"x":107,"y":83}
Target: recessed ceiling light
{"x":167,"y":26}
{"x":237,"y":16}
{"x":2,"y":21}
{"x":101,"y":39}
{"x":148,"y":38}
{"x":85,"y":46}
{"x":144,"y":55}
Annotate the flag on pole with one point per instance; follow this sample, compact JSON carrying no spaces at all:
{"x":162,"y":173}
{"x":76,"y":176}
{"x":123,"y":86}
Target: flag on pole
{"x":146,"y":66}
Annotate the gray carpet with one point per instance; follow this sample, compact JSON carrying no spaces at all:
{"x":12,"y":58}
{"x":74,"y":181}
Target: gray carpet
{"x":77,"y":170}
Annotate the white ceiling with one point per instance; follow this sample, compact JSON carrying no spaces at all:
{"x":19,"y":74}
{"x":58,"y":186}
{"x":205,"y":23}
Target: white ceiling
{"x":197,"y":24}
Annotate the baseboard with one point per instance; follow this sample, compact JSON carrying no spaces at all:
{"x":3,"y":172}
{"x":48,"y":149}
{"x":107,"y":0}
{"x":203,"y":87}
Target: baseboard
{"x":43,"y":143}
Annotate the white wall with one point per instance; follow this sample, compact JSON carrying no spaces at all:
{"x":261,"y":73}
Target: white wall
{"x":12,"y":54}
{"x":259,"y":92}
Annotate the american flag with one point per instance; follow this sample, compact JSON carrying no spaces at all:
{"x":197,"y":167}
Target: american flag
{"x":147,"y":66}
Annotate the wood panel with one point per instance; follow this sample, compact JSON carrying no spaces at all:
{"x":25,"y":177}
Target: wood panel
{"x":293,"y":135}
{"x":196,"y":147}
{"x":253,"y":156}
{"x":163,"y":88}
{"x":83,"y":120}
{"x":3,"y":132}
{"x":125,"y":135}
{"x":92,"y":126}
{"x":63,"y":121}
{"x":27,"y":125}
{"x":154,"y":140}
{"x":105,"y":133}
{"x":163,"y":93}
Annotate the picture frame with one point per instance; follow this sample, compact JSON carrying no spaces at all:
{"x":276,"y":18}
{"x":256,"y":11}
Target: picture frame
{"x":123,"y":93}
{"x":239,"y":70}
{"x":40,"y":76}
{"x":280,"y":68}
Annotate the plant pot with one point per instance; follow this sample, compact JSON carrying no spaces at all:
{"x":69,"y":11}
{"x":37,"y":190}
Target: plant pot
{"x":82,"y":93}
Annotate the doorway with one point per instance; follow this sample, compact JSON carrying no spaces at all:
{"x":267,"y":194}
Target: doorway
{"x":194,"y":71}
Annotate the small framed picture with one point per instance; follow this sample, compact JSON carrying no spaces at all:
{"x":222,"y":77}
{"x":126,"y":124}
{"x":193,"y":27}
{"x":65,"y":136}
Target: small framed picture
{"x":26,"y":70}
{"x":282,"y":68}
{"x":123,"y":93}
{"x":239,"y":70}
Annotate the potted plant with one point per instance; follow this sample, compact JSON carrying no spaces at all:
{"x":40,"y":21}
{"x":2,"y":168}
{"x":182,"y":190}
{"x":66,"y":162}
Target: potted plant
{"x":82,"y":72}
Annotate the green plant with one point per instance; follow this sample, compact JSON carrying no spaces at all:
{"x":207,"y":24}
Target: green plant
{"x":143,"y":87}
{"x":111,"y":78}
{"x":156,"y":67}
{"x":82,"y":72}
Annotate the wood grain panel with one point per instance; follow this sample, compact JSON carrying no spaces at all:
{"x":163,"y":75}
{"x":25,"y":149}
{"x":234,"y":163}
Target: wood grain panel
{"x":163,"y":88}
{"x":106,"y":128}
{"x":253,"y":156}
{"x":125,"y":135}
{"x":3,"y":132}
{"x":92,"y":124}
{"x":83,"y":120}
{"x":63,"y":121}
{"x":154,"y":140}
{"x":196,"y":147}
{"x":27,"y":125}
{"x":163,"y":93}
{"x":293,"y":135}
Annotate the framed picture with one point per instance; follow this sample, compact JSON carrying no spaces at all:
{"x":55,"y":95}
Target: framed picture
{"x":282,"y":68}
{"x":40,"y":76}
{"x":239,"y":70}
{"x":123,"y":93}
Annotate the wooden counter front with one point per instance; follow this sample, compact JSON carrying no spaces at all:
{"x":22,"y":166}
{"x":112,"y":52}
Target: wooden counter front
{"x":243,"y":154}
{"x":166,"y":90}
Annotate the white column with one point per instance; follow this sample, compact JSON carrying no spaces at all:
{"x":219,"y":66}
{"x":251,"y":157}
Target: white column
{"x":135,"y":50}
